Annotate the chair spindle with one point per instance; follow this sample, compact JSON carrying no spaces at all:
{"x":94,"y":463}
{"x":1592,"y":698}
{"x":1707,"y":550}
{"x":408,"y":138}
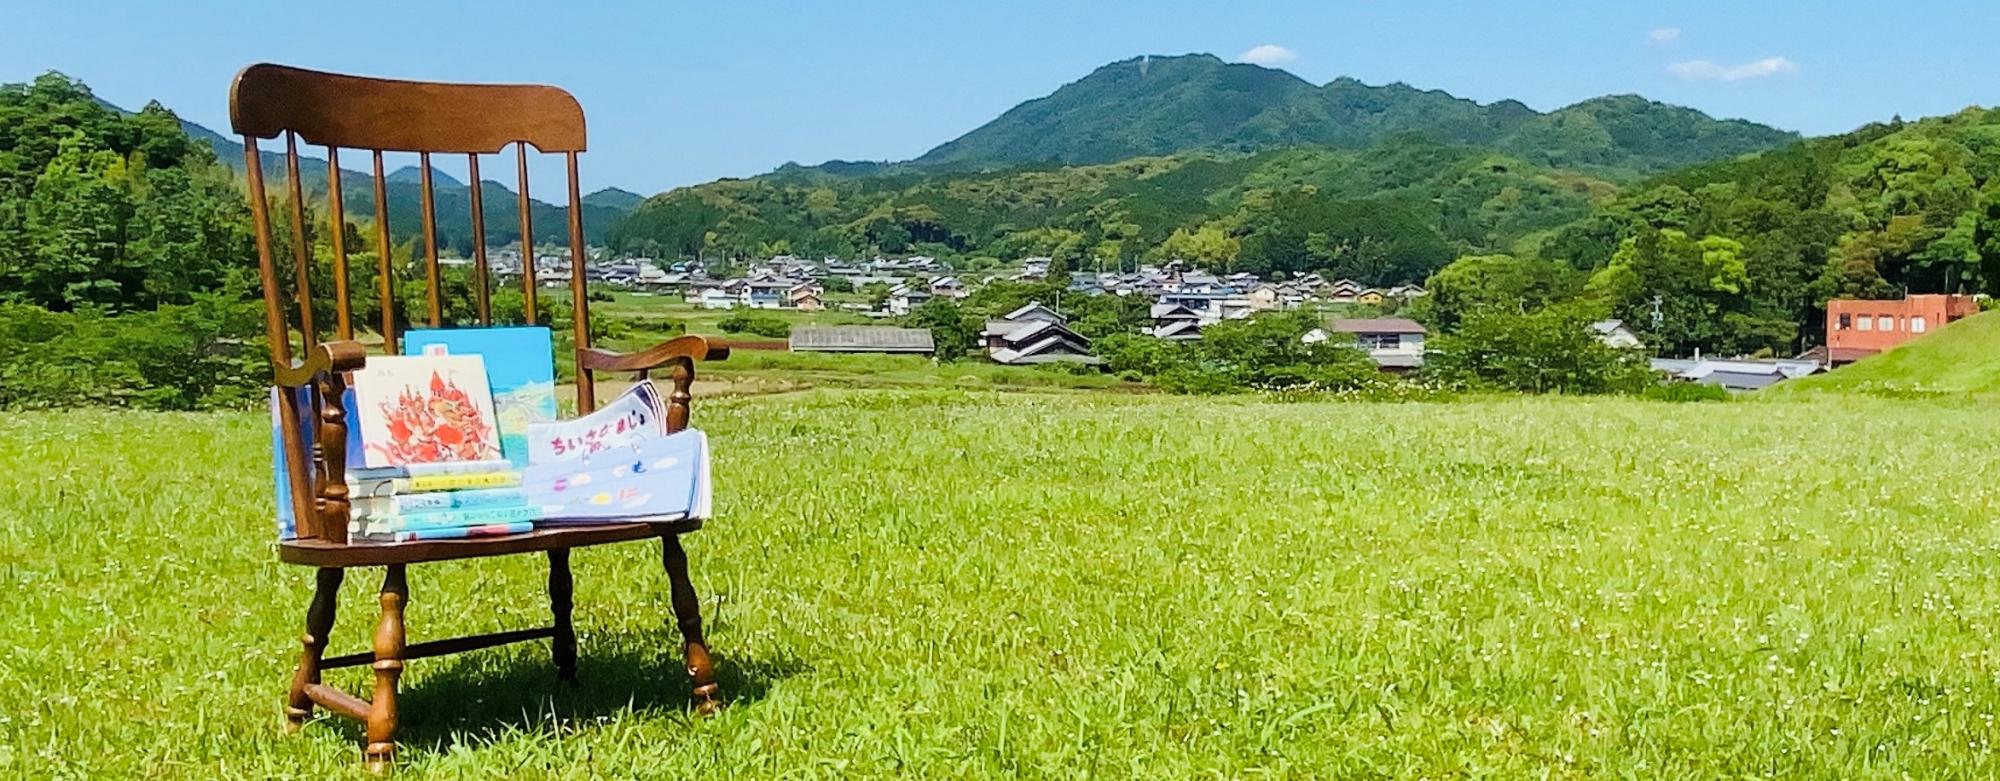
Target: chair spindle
{"x":579,"y":313}
{"x":431,"y":275}
{"x":337,"y":220}
{"x":385,"y":275}
{"x":301,"y":256}
{"x":480,"y":296}
{"x":527,"y":234}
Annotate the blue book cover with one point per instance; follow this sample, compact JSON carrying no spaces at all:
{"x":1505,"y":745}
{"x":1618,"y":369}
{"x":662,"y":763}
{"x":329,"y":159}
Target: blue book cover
{"x":520,"y":370}
{"x":287,"y":523}
{"x":663,"y":478}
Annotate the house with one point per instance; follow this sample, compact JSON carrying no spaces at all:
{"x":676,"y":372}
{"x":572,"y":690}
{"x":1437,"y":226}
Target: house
{"x":862,"y":339}
{"x":1856,"y":328}
{"x":1613,"y":333}
{"x":1263,"y":298}
{"x":1035,"y":334}
{"x":1371,"y":296}
{"x":1175,"y":322}
{"x":1737,"y":375}
{"x":805,"y":297}
{"x":1396,"y":343}
{"x":713,"y":298}
{"x":949,"y":287}
{"x":906,"y":297}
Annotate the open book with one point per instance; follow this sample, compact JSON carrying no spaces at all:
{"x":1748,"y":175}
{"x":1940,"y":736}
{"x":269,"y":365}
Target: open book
{"x":654,"y":479}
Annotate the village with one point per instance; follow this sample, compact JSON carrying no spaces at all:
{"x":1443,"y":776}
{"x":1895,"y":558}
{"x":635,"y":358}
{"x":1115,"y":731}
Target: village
{"x":1185,"y":299}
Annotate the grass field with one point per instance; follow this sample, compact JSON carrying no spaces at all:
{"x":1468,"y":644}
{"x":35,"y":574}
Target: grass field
{"x":942,"y":583}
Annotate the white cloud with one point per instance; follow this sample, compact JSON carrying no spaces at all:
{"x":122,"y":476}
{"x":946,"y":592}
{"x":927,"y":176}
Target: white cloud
{"x":1664,"y":35}
{"x":1706,"y":70}
{"x":1269,"y":55}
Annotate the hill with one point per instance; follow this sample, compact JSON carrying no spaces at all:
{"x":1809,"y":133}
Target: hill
{"x":1150,"y":106}
{"x":453,"y":197}
{"x":1406,"y":189}
{"x":1955,"y":359}
{"x":1888,"y":208}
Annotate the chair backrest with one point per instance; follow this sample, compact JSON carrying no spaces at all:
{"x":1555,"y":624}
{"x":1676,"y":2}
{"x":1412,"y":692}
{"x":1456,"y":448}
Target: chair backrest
{"x":383,"y":115}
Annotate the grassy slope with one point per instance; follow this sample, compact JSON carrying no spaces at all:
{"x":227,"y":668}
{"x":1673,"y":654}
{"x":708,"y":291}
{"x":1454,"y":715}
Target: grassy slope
{"x":1957,"y":359}
{"x":945,"y":584}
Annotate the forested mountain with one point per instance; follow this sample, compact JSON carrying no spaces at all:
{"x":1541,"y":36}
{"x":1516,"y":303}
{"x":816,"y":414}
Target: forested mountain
{"x":1149,"y":106}
{"x":1107,"y":169}
{"x":1390,"y":213}
{"x":454,"y":198}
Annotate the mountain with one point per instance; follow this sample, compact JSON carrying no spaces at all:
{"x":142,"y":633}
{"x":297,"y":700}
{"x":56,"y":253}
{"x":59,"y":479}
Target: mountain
{"x":413,"y":175}
{"x":453,"y":199}
{"x":1452,"y":198}
{"x":614,"y":198}
{"x":1148,"y":106}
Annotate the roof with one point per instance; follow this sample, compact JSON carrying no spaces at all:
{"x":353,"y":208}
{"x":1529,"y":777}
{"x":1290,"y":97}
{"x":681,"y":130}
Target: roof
{"x":1607,"y":326}
{"x":1050,"y":350}
{"x":862,"y":339}
{"x":1034,"y":307}
{"x":1378,"y":325}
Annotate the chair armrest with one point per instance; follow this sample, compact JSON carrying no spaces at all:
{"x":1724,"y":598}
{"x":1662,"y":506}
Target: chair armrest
{"x":343,"y":355}
{"x":691,"y":347}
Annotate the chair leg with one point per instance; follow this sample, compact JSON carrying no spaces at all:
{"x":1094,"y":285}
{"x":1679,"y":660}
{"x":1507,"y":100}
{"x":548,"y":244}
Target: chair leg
{"x":687,"y":611}
{"x":389,"y":642}
{"x":561,"y":592}
{"x":319,"y":621}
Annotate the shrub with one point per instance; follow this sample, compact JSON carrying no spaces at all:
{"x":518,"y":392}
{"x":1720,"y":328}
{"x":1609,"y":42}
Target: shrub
{"x":1684,"y":391}
{"x":761,"y":325}
{"x":1551,"y":350}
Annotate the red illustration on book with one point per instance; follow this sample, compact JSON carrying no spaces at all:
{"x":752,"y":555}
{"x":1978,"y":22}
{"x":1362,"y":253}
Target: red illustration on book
{"x":442,"y":425}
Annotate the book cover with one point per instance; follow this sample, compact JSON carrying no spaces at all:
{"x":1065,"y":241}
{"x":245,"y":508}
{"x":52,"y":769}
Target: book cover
{"x":658,"y":479}
{"x":406,"y":504}
{"x":424,"y":409}
{"x":395,"y":486}
{"x":438,"y":519}
{"x":453,"y":533}
{"x":520,"y":370}
{"x":287,"y":516}
{"x":638,"y":413}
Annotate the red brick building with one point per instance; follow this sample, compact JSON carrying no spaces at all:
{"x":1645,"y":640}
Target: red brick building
{"x":1857,"y":328}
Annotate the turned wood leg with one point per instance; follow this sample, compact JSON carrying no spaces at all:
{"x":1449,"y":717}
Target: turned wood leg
{"x":319,"y":621}
{"x":561,"y":592}
{"x":389,"y":641}
{"x":687,"y":611}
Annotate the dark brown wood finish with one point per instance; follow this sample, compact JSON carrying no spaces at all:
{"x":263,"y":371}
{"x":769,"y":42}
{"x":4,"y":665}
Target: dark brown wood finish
{"x":301,"y":257}
{"x":528,"y":281}
{"x":586,"y":390}
{"x":386,"y":282}
{"x":336,"y":218}
{"x":481,"y":293}
{"x":435,"y":283}
{"x":379,"y":115}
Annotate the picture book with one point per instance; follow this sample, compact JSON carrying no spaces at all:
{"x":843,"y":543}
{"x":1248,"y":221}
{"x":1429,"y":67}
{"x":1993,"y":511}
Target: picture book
{"x":287,"y":515}
{"x":453,"y":532}
{"x":308,"y":430}
{"x":407,"y":504}
{"x":654,"y":479}
{"x":396,"y":486}
{"x":638,"y":413}
{"x":520,"y":370}
{"x":441,"y":519}
{"x":424,"y":409}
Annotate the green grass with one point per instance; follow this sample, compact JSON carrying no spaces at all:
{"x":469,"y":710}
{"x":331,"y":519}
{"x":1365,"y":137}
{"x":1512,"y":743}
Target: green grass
{"x":671,"y":307}
{"x":1956,"y":360}
{"x":974,"y":585}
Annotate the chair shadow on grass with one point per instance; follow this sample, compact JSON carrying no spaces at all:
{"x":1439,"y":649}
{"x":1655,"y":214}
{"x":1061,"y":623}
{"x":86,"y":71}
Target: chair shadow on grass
{"x":483,"y":696}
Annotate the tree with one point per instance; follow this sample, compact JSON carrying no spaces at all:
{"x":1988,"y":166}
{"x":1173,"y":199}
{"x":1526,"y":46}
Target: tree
{"x":1481,"y":283}
{"x":952,"y":330}
{"x":1551,"y":350}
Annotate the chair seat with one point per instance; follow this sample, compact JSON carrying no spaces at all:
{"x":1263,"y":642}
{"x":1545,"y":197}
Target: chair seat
{"x":320,"y":553}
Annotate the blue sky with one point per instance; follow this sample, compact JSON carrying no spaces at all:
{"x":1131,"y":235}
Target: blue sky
{"x":684,"y":93}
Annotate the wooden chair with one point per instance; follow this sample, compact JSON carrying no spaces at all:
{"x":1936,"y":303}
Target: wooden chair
{"x":378,"y":115}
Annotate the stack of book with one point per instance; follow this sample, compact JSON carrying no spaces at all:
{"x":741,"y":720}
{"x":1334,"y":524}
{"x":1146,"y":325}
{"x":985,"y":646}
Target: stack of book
{"x":437,"y":501}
